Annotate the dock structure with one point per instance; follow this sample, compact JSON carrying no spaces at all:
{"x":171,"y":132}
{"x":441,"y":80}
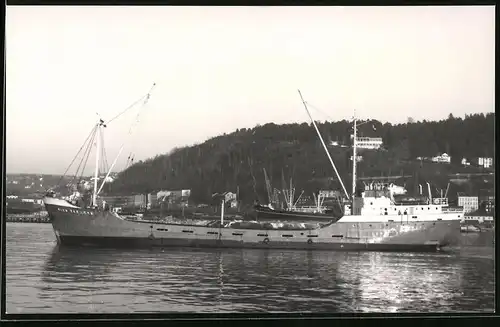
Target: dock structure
{"x":33,"y":218}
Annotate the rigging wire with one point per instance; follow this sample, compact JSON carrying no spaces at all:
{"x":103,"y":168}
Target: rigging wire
{"x":88,"y":150}
{"x":91,"y":136}
{"x":104,"y":161}
{"x":126,"y":109}
{"x":133,"y":104}
{"x":319,"y":110}
{"x":146,"y":99}
{"x":87,"y":155}
{"x":72,"y":161}
{"x":130,"y":158}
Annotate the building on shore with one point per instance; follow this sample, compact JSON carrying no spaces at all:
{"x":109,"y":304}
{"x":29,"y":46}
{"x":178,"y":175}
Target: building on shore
{"x":443,"y":158}
{"x":372,"y":143}
{"x":478,"y":219}
{"x":484,"y":162}
{"x":469,"y":203}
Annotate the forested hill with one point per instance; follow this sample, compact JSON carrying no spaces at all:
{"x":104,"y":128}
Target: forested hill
{"x":294,"y":150}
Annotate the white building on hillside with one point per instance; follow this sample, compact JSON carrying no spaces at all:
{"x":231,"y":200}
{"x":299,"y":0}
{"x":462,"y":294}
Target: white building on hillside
{"x":358,"y":158}
{"x":444,"y":158}
{"x":484,"y":162}
{"x":470,"y":203}
{"x":372,"y":143}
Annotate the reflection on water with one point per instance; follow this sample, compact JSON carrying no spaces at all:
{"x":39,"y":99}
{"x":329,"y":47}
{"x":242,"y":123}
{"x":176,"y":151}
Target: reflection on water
{"x":43,"y":277}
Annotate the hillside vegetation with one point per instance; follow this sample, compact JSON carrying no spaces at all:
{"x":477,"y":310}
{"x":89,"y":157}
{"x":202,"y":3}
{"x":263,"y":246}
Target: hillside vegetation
{"x":226,"y":162}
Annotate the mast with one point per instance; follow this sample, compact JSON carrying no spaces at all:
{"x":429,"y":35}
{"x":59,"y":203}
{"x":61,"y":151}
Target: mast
{"x":146,"y":99}
{"x":268,"y":187}
{"x":96,"y":174}
{"x":447,"y":189}
{"x":222,"y":211}
{"x":324,"y":145}
{"x":354,"y":161}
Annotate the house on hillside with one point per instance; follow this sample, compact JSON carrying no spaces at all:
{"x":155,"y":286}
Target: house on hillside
{"x":485,"y":162}
{"x":358,"y":158}
{"x":443,"y":158}
{"x":469,"y":203}
{"x":372,"y":143}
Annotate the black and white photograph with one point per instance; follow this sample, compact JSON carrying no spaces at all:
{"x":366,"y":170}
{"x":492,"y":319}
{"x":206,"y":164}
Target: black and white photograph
{"x":249,"y":160}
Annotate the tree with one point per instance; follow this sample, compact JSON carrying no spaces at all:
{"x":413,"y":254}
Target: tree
{"x":221,"y":163}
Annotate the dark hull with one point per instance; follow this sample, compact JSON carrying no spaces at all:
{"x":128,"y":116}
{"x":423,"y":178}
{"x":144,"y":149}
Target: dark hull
{"x":76,"y":226}
{"x":132,"y":242}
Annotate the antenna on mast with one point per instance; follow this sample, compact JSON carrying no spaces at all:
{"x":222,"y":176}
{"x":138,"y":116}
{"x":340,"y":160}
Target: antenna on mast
{"x":324,"y":146}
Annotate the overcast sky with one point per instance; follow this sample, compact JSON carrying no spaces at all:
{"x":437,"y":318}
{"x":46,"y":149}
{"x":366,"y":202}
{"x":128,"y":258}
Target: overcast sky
{"x":222,"y":68}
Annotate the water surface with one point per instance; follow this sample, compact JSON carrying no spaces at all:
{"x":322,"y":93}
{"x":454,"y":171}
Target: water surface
{"x":45,"y":278}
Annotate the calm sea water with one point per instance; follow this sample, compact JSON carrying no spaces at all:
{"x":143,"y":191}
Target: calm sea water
{"x":45,"y":278}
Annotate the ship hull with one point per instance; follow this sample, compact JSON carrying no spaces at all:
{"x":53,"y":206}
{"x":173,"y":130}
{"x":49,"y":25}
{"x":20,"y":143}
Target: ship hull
{"x":134,"y":242}
{"x":75,"y":226}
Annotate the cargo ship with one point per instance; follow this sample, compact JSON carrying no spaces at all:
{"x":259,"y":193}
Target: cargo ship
{"x":372,"y":221}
